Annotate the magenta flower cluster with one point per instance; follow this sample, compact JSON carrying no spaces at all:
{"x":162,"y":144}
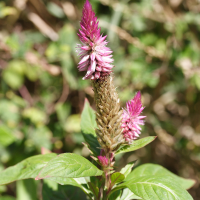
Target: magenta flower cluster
{"x":103,"y":160}
{"x":95,"y":56}
{"x":132,"y":119}
{"x":96,"y":60}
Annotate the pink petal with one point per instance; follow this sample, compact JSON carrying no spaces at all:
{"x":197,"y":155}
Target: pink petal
{"x":85,"y":58}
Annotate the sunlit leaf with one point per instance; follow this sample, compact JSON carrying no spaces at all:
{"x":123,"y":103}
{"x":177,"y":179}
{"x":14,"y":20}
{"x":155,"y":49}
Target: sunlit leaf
{"x":29,"y":168}
{"x":117,"y":177}
{"x":137,"y":144}
{"x":156,"y":188}
{"x":157,"y":170}
{"x":88,"y":126}
{"x":127,"y":169}
{"x":69,"y":165}
{"x":127,"y":195}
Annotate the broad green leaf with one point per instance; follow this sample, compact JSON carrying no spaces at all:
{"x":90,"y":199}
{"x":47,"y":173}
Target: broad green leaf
{"x":6,"y":137}
{"x":52,"y":191}
{"x":95,"y":180}
{"x":116,"y":195}
{"x":29,"y":168}
{"x":26,"y":189}
{"x":94,"y":189}
{"x":127,"y":169}
{"x":137,"y":144}
{"x":127,"y":195}
{"x":69,"y":165}
{"x":117,"y":177}
{"x":118,"y":187}
{"x":156,"y":188}
{"x":77,"y":182}
{"x":88,"y":126}
{"x":157,"y":170}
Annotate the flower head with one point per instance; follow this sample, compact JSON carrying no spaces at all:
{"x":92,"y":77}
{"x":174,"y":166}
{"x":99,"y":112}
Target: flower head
{"x":132,"y":119}
{"x":103,"y":160}
{"x":95,"y":56}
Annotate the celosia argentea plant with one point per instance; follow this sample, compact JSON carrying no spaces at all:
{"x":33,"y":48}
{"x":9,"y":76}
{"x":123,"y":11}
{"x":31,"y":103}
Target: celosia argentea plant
{"x":110,"y":132}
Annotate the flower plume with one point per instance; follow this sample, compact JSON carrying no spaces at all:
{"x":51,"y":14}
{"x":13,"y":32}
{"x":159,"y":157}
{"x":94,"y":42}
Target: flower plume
{"x":95,"y":56}
{"x":103,"y":160}
{"x":132,"y":119}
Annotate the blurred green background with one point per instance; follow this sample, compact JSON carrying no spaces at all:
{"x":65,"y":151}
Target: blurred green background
{"x":156,"y":47}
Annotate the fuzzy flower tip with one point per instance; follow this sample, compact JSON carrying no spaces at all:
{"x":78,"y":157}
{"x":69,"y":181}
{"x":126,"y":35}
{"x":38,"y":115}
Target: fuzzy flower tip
{"x":132,"y":119}
{"x":95,"y":56}
{"x":103,"y":160}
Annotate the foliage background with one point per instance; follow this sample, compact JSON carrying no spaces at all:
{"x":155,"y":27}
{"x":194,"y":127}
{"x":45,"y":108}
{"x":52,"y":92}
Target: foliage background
{"x":156,"y":50}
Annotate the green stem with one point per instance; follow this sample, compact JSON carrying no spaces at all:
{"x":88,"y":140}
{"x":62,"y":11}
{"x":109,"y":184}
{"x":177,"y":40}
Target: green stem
{"x":107,"y":171}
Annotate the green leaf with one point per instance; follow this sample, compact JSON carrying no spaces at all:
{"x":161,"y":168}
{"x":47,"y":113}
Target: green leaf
{"x":137,"y":144}
{"x":157,"y":170}
{"x":69,"y":165}
{"x":127,"y":169}
{"x":118,"y":187}
{"x":29,"y":168}
{"x":26,"y":189}
{"x":156,"y":188}
{"x":94,"y":189}
{"x":127,"y":195}
{"x":52,"y":191}
{"x":6,"y":137}
{"x":117,"y":177}
{"x":88,"y":126}
{"x":116,"y":195}
{"x":77,"y":182}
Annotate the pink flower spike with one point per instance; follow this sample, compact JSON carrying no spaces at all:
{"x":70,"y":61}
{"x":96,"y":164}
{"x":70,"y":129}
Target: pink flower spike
{"x":131,"y":119}
{"x":103,"y":160}
{"x":93,"y":46}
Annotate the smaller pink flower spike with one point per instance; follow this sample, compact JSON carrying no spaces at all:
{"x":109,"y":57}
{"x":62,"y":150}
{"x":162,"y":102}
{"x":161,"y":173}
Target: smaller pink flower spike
{"x":103,"y":160}
{"x":131,"y":118}
{"x":95,"y":56}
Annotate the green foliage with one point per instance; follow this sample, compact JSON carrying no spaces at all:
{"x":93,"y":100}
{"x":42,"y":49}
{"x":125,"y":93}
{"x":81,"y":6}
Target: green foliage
{"x":137,"y":144}
{"x":117,"y":178}
{"x":53,"y":191}
{"x":26,"y":189}
{"x":42,"y":93}
{"x":88,"y":126}
{"x":6,"y":137}
{"x":150,"y":181}
{"x":7,"y":198}
{"x":127,"y":195}
{"x":69,"y":165}
{"x":157,"y":170}
{"x":157,"y":187}
{"x":28,"y":168}
{"x":127,"y":169}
